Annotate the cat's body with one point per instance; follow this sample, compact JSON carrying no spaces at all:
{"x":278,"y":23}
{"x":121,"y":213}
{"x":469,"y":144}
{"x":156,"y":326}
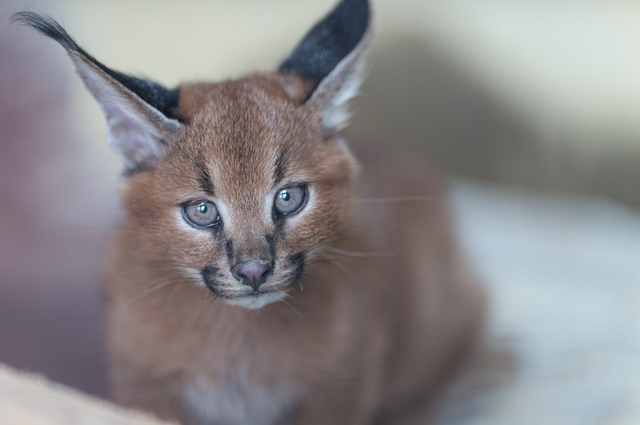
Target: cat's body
{"x":383,"y":315}
{"x":262,"y":274}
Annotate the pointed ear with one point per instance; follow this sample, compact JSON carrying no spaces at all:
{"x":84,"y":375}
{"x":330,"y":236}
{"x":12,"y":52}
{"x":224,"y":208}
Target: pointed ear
{"x":139,"y":112}
{"x":330,"y":58}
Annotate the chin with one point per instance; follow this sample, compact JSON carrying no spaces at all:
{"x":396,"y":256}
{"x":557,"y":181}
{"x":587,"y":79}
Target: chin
{"x":254,"y":302}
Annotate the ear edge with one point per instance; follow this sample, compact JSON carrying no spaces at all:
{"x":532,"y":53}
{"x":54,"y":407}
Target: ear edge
{"x":137,"y":132}
{"x":137,"y":129}
{"x":155,"y":95}
{"x":329,"y":41}
{"x":333,"y":94}
{"x":330,"y":93}
{"x":89,"y":71}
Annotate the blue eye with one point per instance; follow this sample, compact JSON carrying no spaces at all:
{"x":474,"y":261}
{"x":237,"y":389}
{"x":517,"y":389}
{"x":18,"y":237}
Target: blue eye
{"x":290,"y":200}
{"x":202,"y":214}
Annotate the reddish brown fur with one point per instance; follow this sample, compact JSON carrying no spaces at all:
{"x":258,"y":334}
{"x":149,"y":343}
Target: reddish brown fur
{"x":385,"y":308}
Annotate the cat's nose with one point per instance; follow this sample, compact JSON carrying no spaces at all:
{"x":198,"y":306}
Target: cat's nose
{"x":253,"y":273}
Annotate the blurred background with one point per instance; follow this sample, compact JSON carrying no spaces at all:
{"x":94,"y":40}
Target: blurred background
{"x":531,"y":107}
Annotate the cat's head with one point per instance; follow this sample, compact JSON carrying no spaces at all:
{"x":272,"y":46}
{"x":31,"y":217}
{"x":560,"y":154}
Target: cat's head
{"x":234,"y":183}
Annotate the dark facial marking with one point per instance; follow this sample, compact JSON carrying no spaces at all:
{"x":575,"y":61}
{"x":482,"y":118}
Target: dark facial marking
{"x":229,"y":247}
{"x":209,"y":274}
{"x":279,"y":221}
{"x":205,"y":182}
{"x":271,"y":241}
{"x":281,"y":166}
{"x":297,"y":261}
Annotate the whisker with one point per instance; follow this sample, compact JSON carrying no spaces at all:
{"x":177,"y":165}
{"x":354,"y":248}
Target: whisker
{"x":177,"y":175}
{"x":291,"y":307}
{"x":397,"y":199}
{"x":176,"y":201}
{"x":377,"y":111}
{"x":345,"y":270}
{"x":158,"y":265}
{"x":154,"y":194}
{"x":315,"y":274}
{"x":156,"y":287}
{"x":360,"y":254}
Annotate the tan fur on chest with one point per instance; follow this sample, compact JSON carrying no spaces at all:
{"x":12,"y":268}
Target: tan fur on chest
{"x":262,"y":273}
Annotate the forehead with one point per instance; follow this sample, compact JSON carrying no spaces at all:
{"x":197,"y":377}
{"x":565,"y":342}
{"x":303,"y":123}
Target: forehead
{"x":241,"y":131}
{"x":243,"y":111}
{"x":241,"y":105}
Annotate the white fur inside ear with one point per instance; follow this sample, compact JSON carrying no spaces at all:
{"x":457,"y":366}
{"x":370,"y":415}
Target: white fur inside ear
{"x":133,"y":140}
{"x":337,"y":113}
{"x":135,"y":129}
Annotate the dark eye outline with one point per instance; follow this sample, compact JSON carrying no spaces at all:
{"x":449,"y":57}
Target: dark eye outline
{"x":305,"y":197}
{"x":185,"y":215}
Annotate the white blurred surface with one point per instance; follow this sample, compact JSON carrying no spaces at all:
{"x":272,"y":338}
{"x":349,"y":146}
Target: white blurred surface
{"x":563,"y":274}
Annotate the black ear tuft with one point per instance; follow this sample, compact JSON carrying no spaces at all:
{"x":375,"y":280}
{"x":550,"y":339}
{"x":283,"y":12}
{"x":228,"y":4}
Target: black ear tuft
{"x":47,"y":26}
{"x":329,"y":41}
{"x":156,"y":95}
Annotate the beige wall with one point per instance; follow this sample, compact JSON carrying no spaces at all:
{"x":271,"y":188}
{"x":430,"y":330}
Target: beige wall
{"x":540,"y":93}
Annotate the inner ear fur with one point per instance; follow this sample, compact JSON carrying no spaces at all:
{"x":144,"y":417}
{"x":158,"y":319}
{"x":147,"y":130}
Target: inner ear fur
{"x":139,"y":112}
{"x":330,"y":62}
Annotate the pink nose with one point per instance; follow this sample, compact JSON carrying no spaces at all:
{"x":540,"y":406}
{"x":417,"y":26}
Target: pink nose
{"x":253,"y":273}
